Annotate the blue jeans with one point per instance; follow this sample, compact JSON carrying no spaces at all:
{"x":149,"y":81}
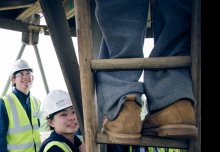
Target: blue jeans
{"x":123,"y":26}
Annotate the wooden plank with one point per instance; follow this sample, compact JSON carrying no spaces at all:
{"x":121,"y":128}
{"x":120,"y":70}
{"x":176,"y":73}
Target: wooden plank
{"x":146,"y":141}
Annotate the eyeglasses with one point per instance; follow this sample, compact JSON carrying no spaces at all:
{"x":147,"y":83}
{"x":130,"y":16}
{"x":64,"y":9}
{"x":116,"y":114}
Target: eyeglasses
{"x":24,"y":74}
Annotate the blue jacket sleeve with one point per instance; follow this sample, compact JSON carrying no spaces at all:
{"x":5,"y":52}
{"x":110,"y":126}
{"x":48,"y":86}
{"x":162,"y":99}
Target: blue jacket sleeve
{"x":3,"y":126}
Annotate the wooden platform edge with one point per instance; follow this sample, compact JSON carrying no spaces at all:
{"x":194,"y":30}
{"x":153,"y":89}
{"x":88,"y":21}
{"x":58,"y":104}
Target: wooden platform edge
{"x":146,"y":141}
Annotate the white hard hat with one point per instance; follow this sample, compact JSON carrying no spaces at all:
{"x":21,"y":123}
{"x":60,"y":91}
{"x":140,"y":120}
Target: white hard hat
{"x":20,"y":65}
{"x":55,"y":101}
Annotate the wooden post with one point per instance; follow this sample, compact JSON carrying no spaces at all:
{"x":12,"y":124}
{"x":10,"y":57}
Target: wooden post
{"x":84,"y":37}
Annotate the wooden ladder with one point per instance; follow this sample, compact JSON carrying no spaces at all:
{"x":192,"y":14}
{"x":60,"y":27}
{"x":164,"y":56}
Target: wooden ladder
{"x":88,"y":65}
{"x":59,"y":33}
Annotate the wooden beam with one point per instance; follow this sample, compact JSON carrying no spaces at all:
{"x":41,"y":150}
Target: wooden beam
{"x":36,"y":8}
{"x":29,"y":11}
{"x":69,"y":8}
{"x":15,"y":4}
{"x":20,"y":26}
{"x":60,"y":33}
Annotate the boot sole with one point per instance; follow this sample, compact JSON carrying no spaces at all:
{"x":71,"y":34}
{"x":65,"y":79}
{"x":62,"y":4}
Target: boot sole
{"x":114,"y":136}
{"x":176,"y":131}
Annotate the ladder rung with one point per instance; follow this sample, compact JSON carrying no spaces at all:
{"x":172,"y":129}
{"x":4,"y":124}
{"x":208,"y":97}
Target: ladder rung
{"x":142,"y":63}
{"x":146,"y":141}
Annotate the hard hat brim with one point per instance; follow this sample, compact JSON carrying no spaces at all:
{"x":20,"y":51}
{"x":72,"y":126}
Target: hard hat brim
{"x":15,"y":72}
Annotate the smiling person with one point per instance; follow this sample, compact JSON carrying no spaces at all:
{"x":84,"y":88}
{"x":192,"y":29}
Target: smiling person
{"x":19,"y":117}
{"x":62,"y":119}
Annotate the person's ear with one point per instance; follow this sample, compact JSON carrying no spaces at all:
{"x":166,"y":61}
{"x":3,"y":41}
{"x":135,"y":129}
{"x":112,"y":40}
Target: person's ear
{"x":50,"y":122}
{"x":13,"y":80}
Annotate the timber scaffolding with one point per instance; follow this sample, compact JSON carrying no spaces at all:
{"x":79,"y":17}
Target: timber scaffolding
{"x":55,"y":17}
{"x":80,"y":80}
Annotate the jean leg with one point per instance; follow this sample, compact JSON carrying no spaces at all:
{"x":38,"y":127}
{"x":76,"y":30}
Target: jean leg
{"x":123,"y":25}
{"x":172,"y":36}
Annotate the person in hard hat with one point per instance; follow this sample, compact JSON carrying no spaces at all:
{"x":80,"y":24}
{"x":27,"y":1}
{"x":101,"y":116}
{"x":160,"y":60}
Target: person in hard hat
{"x":62,"y":119}
{"x":19,"y":113}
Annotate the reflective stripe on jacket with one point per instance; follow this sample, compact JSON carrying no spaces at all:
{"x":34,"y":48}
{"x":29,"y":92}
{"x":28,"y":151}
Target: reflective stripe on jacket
{"x":61,"y":145}
{"x":154,"y":149}
{"x":22,"y":136}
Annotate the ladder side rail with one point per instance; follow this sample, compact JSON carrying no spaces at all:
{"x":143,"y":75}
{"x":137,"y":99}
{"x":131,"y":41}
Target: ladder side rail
{"x":84,"y":38}
{"x":195,"y":145}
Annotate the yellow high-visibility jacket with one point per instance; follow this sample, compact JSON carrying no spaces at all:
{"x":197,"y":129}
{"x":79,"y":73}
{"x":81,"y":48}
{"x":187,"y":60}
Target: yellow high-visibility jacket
{"x":152,"y":149}
{"x":22,"y":136}
{"x":62,"y":145}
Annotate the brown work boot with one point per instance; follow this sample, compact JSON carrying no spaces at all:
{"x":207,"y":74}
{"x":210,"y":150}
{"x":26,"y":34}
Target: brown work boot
{"x":128,"y":123}
{"x":176,"y":120}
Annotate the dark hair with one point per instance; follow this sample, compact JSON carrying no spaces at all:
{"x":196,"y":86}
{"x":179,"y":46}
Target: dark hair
{"x":51,"y":116}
